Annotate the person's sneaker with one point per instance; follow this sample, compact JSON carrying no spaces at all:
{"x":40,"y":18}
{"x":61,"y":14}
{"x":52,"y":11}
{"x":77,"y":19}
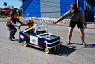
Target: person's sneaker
{"x":10,"y":39}
{"x":84,"y":44}
{"x":13,"y":37}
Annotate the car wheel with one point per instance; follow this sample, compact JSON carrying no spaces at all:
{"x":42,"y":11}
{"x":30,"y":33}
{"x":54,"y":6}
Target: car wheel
{"x":47,"y":50}
{"x":25,"y":44}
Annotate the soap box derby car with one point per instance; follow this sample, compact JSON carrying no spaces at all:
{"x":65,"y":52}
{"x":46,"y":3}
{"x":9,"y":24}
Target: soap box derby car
{"x":41,"y":38}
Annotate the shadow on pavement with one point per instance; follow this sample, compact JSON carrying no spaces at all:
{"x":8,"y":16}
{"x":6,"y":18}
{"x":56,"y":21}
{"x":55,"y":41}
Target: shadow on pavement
{"x":64,"y":50}
{"x":90,"y":46}
{"x":76,"y":43}
{"x":16,"y":40}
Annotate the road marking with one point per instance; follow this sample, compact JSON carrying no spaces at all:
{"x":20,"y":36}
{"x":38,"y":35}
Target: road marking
{"x":59,"y":32}
{"x":2,"y":26}
{"x":72,"y":33}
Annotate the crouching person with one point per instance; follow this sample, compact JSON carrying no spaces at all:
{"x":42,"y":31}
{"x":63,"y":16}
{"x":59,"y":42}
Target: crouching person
{"x":11,"y":24}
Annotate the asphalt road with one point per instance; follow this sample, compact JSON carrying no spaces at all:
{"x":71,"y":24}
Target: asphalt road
{"x":13,"y":52}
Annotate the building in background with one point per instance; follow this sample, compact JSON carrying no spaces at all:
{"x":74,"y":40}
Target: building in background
{"x":94,"y":13}
{"x":56,"y":8}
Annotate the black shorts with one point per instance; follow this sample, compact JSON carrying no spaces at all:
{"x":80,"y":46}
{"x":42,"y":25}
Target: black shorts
{"x":73,"y":23}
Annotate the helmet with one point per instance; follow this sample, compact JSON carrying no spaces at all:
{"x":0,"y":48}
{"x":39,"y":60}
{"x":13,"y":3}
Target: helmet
{"x":29,"y":22}
{"x":12,"y":13}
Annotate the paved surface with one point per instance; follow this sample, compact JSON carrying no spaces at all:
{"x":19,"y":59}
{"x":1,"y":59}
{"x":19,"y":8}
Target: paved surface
{"x":13,"y":52}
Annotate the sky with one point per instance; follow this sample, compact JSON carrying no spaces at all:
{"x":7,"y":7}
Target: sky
{"x":15,"y":3}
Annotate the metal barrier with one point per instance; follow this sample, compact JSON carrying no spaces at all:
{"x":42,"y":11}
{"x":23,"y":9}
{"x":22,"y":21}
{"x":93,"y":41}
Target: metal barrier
{"x":63,"y":22}
{"x":48,"y":20}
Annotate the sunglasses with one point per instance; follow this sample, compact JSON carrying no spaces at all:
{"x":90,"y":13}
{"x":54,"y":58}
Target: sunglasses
{"x":72,"y":7}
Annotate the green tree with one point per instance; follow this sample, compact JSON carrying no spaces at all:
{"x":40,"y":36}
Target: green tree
{"x":8,"y":6}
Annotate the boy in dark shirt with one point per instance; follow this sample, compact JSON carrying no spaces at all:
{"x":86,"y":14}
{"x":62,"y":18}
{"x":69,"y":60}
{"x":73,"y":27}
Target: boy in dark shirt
{"x":11,"y":24}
